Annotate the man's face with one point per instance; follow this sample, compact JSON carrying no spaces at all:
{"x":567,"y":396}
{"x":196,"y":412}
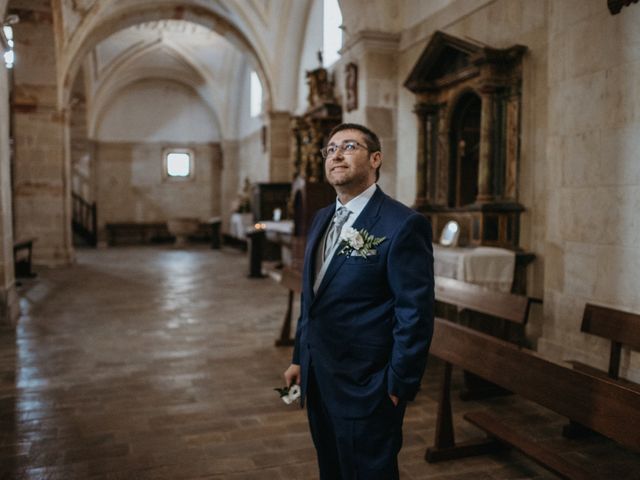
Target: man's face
{"x":351,"y":171}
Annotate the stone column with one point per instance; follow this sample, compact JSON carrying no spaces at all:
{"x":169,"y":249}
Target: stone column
{"x":9,"y":307}
{"x":485,"y":167}
{"x":216,"y":179}
{"x":42,"y":188}
{"x":427,"y":153}
{"x":376,"y":55}
{"x":230,"y":179}
{"x":279,"y":138}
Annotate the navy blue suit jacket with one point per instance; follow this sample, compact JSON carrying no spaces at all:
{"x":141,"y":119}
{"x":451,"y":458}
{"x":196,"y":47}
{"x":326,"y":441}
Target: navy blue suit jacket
{"x":368,"y":328}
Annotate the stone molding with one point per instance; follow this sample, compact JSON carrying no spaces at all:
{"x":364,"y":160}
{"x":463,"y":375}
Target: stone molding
{"x":366,"y":40}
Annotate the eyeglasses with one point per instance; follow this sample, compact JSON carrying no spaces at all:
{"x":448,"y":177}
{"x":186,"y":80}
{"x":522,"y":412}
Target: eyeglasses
{"x":349,"y":147}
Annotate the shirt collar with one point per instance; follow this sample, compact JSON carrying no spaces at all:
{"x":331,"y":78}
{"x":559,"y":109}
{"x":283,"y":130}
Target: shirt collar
{"x":357,"y":204}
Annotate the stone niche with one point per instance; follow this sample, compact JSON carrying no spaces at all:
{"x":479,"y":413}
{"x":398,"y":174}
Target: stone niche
{"x":468,"y":99}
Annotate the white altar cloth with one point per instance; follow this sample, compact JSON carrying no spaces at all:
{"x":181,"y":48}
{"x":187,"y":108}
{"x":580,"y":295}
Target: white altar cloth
{"x":489,"y":267}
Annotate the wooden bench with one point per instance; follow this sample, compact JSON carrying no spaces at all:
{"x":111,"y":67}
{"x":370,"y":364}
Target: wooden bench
{"x":600,"y":404}
{"x":22,"y":254}
{"x":292,"y":281}
{"x":622,"y":329}
{"x":137,"y":233}
{"x":511,"y":308}
{"x":502,"y":314}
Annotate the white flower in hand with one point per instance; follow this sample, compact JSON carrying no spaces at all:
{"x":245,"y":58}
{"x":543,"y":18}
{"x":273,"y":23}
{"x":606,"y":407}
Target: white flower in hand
{"x":289,"y":394}
{"x":294,"y":392}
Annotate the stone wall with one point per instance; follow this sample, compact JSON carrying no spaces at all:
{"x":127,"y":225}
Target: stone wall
{"x":252,"y":161}
{"x":376,"y":56}
{"x":244,"y":159}
{"x":592,"y":248}
{"x":579,"y":175}
{"x":516,"y":22}
{"x":131,"y":186}
{"x":155,"y":110}
{"x":279,"y":147}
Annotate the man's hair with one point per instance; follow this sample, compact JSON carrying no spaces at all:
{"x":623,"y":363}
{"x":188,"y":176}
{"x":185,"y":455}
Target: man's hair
{"x":370,"y":138}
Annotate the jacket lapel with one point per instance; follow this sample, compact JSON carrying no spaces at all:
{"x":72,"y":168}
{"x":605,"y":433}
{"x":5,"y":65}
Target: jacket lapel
{"x":367,"y":219}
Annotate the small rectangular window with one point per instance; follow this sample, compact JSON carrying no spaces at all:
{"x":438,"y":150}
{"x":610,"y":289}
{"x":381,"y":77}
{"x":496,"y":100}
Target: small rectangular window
{"x":178,"y":164}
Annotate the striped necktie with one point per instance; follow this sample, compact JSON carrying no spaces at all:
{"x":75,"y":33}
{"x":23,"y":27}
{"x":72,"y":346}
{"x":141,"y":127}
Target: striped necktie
{"x":333,"y":236}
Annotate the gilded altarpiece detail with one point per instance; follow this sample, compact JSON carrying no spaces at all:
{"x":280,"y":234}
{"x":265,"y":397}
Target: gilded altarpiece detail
{"x":310,"y":133}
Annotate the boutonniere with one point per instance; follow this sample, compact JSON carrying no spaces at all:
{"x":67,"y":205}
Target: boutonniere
{"x":358,"y":242}
{"x":289,"y":394}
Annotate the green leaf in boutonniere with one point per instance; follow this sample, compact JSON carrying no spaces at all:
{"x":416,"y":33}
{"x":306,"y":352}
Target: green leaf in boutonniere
{"x":358,"y":242}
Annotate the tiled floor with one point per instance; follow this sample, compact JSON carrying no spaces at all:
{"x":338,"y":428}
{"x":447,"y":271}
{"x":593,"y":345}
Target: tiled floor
{"x":156,"y":363}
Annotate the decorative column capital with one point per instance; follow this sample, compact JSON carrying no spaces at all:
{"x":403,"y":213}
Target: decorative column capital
{"x":366,"y":40}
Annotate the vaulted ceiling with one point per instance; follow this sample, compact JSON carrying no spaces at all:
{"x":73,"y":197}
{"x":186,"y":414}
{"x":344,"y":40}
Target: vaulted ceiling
{"x":206,"y":45}
{"x":209,"y":35}
{"x":176,"y":50}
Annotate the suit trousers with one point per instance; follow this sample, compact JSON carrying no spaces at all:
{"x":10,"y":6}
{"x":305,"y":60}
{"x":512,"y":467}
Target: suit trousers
{"x":355,"y":448}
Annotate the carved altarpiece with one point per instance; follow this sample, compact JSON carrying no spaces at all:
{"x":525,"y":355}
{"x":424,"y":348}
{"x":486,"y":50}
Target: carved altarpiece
{"x":468,"y":99}
{"x":310,"y":133}
{"x":309,"y":191}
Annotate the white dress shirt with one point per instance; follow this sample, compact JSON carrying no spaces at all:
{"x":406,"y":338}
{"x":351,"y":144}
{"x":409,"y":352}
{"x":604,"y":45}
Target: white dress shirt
{"x":356,"y":205}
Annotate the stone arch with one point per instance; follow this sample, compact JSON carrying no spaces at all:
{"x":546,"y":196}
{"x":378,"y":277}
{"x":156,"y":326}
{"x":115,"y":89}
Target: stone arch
{"x":90,"y":35}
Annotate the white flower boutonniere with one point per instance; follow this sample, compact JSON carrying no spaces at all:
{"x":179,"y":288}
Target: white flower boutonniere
{"x":289,"y":394}
{"x":358,"y":242}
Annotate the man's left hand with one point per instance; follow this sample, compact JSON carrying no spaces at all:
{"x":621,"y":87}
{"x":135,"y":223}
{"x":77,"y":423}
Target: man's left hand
{"x":394,"y":399}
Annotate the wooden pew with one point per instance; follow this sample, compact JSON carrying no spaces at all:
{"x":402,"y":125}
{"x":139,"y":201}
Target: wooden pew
{"x":622,"y":329}
{"x":600,"y":404}
{"x":510,"y":307}
{"x":502,"y":314}
{"x":137,"y":233}
{"x":292,"y":281}
{"x":22,"y":253}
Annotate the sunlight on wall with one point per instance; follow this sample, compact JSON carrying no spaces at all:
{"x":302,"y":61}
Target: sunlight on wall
{"x":332,"y":34}
{"x":256,"y":95}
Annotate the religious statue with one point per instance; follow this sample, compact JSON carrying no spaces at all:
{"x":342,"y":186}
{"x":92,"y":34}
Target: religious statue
{"x":243,"y":202}
{"x":320,"y":87}
{"x":351,"y":87}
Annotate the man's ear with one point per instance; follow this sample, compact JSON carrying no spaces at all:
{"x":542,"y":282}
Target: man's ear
{"x":375,"y":159}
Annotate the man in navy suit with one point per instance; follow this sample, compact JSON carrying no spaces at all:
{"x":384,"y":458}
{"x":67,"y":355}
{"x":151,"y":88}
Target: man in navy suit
{"x":366,"y":315}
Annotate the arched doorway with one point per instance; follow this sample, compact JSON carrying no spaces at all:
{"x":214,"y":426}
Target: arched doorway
{"x":464,"y":136}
